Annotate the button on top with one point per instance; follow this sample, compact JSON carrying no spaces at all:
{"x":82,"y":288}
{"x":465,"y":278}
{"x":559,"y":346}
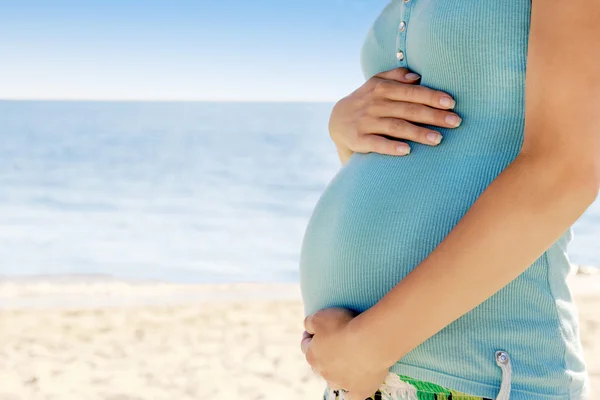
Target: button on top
{"x":502,"y":357}
{"x":400,"y":39}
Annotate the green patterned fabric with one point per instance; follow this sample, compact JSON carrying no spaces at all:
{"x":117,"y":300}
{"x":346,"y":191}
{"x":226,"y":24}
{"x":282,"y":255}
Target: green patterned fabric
{"x":405,"y":388}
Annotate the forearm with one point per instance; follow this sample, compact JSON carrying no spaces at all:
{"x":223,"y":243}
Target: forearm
{"x":518,"y":217}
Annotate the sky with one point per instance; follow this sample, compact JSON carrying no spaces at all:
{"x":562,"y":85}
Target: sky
{"x":226,"y":50}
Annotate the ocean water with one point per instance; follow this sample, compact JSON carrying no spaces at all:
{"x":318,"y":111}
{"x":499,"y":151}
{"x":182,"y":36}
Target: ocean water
{"x":181,"y":192}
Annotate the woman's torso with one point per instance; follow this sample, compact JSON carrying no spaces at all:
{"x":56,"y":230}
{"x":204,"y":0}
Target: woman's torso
{"x":381,"y":215}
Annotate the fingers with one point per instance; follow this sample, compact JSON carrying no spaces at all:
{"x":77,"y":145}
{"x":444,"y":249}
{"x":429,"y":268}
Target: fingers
{"x":309,"y":324}
{"x":305,"y":342}
{"x":397,"y":91}
{"x":403,"y":75}
{"x":390,"y":105}
{"x":415,"y":113}
{"x":401,"y":129}
{"x":306,"y":335}
{"x":379,"y":144}
{"x":327,"y":318}
{"x":396,"y":128}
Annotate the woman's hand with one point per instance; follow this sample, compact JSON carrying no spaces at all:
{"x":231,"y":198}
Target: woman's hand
{"x":336,"y":351}
{"x":386,"y":105}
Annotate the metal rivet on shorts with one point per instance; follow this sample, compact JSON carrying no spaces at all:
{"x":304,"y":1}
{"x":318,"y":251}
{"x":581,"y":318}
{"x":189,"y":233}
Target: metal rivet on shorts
{"x":502,"y":357}
{"x":400,"y":55}
{"x":402,"y":26}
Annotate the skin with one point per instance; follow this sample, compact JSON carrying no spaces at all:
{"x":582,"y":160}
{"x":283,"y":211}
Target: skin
{"x":526,"y":209}
{"x":376,"y":115}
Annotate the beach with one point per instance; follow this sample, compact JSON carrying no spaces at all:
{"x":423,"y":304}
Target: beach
{"x":105,"y":339}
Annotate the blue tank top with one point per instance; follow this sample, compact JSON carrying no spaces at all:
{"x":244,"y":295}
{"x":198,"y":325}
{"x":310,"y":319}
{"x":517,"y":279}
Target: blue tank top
{"x":382,"y":215}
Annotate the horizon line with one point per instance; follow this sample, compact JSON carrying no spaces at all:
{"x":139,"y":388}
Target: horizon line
{"x":159,"y":100}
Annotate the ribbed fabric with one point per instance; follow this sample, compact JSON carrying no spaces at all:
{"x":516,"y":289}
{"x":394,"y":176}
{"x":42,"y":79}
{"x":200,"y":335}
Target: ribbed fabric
{"x":381,"y":215}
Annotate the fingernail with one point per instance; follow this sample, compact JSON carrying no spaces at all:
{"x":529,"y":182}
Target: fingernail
{"x":434,"y":137}
{"x":453,"y":120}
{"x":411,"y":76}
{"x":403,"y":149}
{"x":447,"y":102}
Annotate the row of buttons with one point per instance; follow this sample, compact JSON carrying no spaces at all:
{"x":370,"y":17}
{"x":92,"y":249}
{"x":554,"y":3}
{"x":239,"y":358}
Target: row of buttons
{"x":401,"y":39}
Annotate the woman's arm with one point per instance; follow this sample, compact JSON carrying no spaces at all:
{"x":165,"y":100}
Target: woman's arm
{"x":529,"y":205}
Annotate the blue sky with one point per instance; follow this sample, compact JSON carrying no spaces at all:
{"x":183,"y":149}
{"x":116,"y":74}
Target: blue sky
{"x":182,"y":50}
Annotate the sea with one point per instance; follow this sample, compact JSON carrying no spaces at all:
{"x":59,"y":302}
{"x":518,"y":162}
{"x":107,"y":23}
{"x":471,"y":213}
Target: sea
{"x":194,"y":192}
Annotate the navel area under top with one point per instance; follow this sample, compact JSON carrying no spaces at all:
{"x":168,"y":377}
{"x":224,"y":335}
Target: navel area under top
{"x":382,"y":215}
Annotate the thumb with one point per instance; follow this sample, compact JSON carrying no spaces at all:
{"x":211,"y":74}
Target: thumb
{"x":403,"y":75}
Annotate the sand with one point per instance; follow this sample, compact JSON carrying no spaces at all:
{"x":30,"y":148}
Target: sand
{"x":114,"y":340}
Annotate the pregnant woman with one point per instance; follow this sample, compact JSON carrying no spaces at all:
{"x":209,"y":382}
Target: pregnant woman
{"x":441,"y":274}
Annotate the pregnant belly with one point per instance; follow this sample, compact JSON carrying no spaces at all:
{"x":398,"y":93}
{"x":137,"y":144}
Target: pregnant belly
{"x":380,"y":217}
